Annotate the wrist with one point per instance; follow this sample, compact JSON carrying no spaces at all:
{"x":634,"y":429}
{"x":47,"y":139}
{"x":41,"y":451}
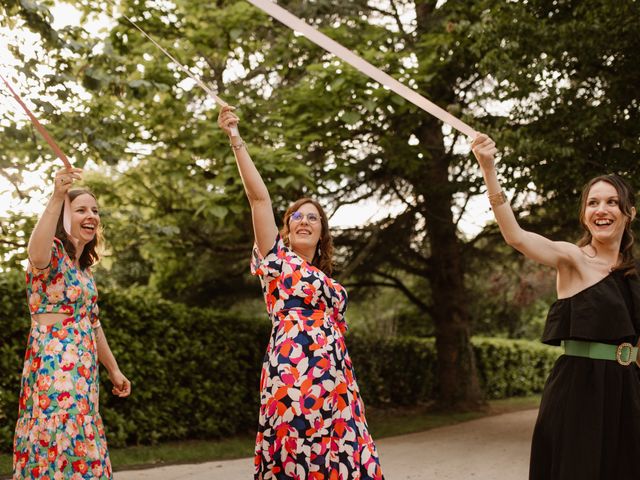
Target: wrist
{"x":237,"y":144}
{"x":496,"y":199}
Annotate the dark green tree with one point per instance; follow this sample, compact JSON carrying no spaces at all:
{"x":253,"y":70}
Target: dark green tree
{"x":176,"y":211}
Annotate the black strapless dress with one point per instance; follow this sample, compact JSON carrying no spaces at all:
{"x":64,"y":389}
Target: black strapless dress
{"x":588,"y":427}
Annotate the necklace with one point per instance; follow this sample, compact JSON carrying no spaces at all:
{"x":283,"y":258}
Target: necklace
{"x":596,"y":262}
{"x":595,"y":252}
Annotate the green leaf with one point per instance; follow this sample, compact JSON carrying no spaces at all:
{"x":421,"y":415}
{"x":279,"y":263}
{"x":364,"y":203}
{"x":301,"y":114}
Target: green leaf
{"x":218,"y":211}
{"x":284,"y":182}
{"x":351,"y":118}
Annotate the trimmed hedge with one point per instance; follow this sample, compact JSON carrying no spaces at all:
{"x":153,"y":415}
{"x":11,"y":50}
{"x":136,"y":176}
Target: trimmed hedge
{"x":195,"y":372}
{"x":402,"y":370}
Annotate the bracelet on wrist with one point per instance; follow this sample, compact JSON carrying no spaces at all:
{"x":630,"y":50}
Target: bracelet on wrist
{"x":238,"y":146}
{"x":497,"y":199}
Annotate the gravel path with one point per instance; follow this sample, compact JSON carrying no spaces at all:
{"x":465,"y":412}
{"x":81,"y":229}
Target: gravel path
{"x":490,"y":448}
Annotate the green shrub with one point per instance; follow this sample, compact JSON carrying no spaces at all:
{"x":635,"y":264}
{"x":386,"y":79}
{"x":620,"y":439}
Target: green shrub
{"x":195,"y":372}
{"x":512,"y":368}
{"x":402,"y":370}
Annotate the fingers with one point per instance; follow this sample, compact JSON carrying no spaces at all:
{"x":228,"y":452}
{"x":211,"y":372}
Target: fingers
{"x":481,"y":137}
{"x":482,"y":142}
{"x":227,"y":119}
{"x":122,"y":390}
{"x":64,"y":179}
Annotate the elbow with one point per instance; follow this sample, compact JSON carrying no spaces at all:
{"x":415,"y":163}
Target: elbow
{"x":514,"y":241}
{"x":37,"y":260}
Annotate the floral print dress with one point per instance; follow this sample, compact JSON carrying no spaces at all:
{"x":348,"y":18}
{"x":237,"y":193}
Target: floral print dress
{"x":59,"y":433}
{"x":311,"y":424}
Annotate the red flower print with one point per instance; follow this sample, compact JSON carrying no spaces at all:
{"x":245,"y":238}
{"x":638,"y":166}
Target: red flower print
{"x":340,"y":427}
{"x":60,"y":334}
{"x":338,"y":395}
{"x":80,"y":449}
{"x":307,"y":428}
{"x":96,"y":468}
{"x":52,"y":453}
{"x":35,"y":364}
{"x":84,"y":371}
{"x":310,"y":291}
{"x":83,"y":406}
{"x":67,"y":367}
{"x":80,"y":466}
{"x":64,"y":400}
{"x":290,"y":375}
{"x":43,"y":402}
{"x":286,"y":347}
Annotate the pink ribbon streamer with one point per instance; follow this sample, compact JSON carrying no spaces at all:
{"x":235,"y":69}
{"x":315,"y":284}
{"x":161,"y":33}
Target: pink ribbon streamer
{"x":184,"y":69}
{"x":362,"y":65}
{"x":66,"y":209}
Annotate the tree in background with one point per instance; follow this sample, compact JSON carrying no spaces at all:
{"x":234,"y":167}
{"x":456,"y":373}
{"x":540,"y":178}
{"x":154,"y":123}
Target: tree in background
{"x":177,"y":216}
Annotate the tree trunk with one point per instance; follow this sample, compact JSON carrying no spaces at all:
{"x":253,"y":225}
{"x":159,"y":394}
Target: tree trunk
{"x":457,"y":377}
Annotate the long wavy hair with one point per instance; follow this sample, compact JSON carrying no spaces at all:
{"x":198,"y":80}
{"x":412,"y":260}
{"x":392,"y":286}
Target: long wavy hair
{"x":626,"y":203}
{"x":323,"y":256}
{"x":92,"y":250}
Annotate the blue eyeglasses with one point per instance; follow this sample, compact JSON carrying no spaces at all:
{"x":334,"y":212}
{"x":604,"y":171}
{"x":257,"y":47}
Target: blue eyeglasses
{"x":311,"y":217}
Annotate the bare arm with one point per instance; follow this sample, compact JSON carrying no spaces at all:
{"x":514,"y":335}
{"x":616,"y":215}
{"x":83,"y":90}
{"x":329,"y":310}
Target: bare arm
{"x":532,"y":245}
{"x":121,"y":385}
{"x":264,"y":222}
{"x":41,"y":240}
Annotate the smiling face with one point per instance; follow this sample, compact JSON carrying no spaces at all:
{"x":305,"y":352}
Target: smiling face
{"x":84,"y":218}
{"x":305,"y":229}
{"x":601,"y":214}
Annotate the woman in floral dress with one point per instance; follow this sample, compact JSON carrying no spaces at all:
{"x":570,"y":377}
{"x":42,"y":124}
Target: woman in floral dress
{"x":59,"y":433}
{"x":311,"y":423}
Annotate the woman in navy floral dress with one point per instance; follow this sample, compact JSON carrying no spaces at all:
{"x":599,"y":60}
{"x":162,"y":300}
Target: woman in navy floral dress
{"x":311,"y":423}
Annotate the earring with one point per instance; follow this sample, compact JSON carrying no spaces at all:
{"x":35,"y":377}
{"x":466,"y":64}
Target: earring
{"x":319,"y":252}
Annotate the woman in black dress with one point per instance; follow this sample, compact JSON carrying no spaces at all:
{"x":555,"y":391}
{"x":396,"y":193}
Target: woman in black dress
{"x":588,"y":426}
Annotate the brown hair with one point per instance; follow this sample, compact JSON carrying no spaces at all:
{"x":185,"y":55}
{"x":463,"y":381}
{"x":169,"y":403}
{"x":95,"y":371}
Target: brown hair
{"x":626,"y":203}
{"x":91,"y":253}
{"x":323,"y":256}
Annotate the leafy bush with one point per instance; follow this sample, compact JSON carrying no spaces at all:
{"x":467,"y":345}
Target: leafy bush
{"x":402,"y":370}
{"x":195,"y":372}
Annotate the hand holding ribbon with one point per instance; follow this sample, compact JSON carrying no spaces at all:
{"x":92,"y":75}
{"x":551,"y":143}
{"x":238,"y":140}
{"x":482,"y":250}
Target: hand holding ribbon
{"x":70,"y":171}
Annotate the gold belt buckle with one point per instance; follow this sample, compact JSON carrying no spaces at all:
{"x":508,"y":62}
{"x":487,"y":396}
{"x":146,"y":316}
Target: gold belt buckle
{"x":621,"y":348}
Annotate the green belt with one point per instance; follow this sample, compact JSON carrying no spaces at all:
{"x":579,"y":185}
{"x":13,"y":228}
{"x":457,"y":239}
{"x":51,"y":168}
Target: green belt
{"x":624,"y":354}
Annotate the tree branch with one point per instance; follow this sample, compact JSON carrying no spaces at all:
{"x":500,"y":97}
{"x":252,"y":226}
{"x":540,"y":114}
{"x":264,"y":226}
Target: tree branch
{"x":404,"y":289}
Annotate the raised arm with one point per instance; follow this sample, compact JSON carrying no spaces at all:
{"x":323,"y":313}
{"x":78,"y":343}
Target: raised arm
{"x":532,"y":245}
{"x":264,"y":223}
{"x":41,"y":240}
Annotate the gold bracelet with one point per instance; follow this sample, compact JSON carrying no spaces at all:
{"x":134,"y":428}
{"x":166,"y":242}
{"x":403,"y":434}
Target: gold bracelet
{"x":238,"y":146}
{"x":497,"y":199}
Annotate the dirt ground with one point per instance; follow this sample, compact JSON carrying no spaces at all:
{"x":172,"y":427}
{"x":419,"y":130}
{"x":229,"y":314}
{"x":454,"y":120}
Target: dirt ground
{"x":486,"y":449}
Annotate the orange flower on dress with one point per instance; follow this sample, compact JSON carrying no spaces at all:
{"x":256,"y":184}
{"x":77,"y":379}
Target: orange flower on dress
{"x":80,"y":449}
{"x":84,"y":371}
{"x":44,"y":401}
{"x":83,"y":406}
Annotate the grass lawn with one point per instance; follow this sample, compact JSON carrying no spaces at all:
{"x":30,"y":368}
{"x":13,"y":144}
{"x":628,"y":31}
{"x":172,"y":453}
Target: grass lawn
{"x":382,"y":422}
